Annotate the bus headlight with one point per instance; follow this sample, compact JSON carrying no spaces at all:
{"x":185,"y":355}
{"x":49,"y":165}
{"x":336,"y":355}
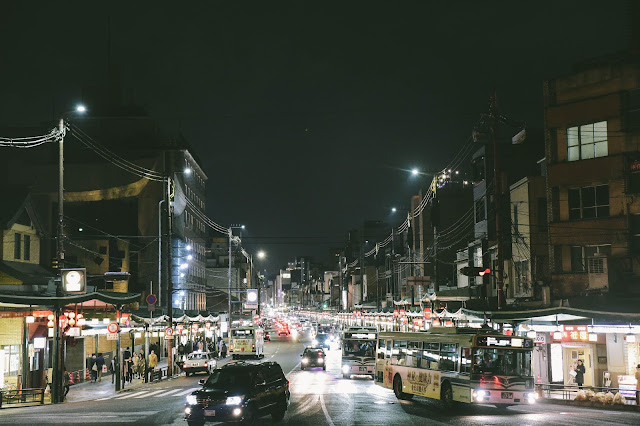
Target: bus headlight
{"x":531,"y":397}
{"x":192,"y":400}
{"x":480,"y":394}
{"x":345,"y":369}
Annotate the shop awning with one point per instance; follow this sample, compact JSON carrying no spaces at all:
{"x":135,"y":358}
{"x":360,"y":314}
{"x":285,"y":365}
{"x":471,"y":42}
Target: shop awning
{"x":98,"y":297}
{"x":558,"y":314}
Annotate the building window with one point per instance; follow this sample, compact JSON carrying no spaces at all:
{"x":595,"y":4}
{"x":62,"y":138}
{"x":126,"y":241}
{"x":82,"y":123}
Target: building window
{"x":588,"y":141}
{"x":27,"y":247}
{"x":480,"y":216}
{"x":589,"y":202}
{"x":16,"y":246}
{"x":11,"y":360}
{"x":589,"y":258}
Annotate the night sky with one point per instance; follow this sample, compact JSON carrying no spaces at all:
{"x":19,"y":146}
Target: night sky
{"x":306,"y":115}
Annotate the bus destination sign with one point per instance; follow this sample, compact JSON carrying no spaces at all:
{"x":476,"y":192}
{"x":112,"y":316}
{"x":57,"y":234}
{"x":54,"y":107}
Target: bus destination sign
{"x":504,"y":342}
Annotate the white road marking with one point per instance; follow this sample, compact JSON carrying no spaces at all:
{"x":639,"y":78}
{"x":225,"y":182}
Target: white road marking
{"x":131,"y":395}
{"x":324,"y":410}
{"x":168,"y":392}
{"x":188,"y":391}
{"x":151,"y":393}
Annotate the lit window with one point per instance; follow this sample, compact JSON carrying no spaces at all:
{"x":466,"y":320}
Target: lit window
{"x":588,"y":141}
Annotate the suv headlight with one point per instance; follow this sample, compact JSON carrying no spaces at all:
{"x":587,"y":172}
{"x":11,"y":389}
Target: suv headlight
{"x":234,"y":400}
{"x":192,"y":400}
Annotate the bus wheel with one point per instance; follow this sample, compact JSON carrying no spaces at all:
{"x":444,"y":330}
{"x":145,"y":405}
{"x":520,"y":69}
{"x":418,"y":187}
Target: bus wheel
{"x":446,"y":395}
{"x":397,"y":389}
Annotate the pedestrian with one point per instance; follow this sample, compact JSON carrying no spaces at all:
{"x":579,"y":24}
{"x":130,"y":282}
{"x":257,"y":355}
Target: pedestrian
{"x":126,"y":356}
{"x":100,"y":364}
{"x":67,"y":379}
{"x":94,"y":368}
{"x":223,"y":350}
{"x":112,"y":368}
{"x":136,"y":361}
{"x":580,"y":370}
{"x":638,"y":385}
{"x":153,"y":362}
{"x":140,"y":367}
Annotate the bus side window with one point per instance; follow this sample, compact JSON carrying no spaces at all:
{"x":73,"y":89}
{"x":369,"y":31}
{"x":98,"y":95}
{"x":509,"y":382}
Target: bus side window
{"x":381,"y":349}
{"x":388,"y":351}
{"x":399,"y":352}
{"x":430,"y":355}
{"x":466,"y":361}
{"x":413,"y":354}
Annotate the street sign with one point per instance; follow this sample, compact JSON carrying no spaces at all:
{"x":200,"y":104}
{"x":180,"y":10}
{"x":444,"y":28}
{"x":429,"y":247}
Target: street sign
{"x":150,"y":307}
{"x":113,"y":327}
{"x":112,"y":336}
{"x":168,"y":332}
{"x":152,"y":299}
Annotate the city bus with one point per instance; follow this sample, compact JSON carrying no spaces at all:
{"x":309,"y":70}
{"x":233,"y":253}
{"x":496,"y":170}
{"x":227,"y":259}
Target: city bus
{"x":358,"y":351}
{"x":246,"y":341}
{"x":470,"y":365}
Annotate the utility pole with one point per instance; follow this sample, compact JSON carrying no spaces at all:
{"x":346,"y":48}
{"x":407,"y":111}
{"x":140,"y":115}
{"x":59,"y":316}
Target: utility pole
{"x":497,"y":180}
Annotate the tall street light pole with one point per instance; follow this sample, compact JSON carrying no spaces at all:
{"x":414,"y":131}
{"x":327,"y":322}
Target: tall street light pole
{"x":57,"y":361}
{"x":231,"y":228}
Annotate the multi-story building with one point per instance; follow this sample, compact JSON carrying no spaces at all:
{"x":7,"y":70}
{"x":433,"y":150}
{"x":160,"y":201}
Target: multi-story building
{"x":592,"y":120}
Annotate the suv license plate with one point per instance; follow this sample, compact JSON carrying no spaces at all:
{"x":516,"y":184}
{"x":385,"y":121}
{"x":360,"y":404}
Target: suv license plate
{"x":363,"y":369}
{"x":209,"y":413}
{"x":507,"y":395}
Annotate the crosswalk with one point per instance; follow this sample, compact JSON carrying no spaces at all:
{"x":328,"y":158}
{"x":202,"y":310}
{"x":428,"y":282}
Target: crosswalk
{"x":150,"y":393}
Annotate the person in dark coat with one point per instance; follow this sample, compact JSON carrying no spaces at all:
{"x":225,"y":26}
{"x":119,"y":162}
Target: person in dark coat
{"x":100,"y":364}
{"x":580,"y":370}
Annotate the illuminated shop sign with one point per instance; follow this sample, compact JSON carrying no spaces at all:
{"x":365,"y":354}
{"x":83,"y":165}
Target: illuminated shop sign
{"x":505,"y":342}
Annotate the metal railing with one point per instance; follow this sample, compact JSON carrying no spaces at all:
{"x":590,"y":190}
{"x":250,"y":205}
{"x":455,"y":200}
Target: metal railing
{"x":568,"y":393}
{"x":22,"y":396}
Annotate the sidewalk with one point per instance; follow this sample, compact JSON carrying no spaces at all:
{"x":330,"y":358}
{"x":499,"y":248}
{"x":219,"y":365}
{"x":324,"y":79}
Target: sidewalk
{"x":86,"y":391}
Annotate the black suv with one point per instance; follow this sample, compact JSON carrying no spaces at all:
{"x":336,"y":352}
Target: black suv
{"x":240,"y":391}
{"x":313,"y":357}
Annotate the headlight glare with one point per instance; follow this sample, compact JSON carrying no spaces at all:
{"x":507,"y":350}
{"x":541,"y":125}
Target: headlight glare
{"x":320,"y":360}
{"x":234,"y":400}
{"x":192,"y":400}
{"x":345,"y":369}
{"x":305,"y":360}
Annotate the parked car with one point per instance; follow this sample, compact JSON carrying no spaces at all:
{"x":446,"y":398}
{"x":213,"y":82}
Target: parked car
{"x":313,"y":357}
{"x":199,"y":362}
{"x":240,"y":391}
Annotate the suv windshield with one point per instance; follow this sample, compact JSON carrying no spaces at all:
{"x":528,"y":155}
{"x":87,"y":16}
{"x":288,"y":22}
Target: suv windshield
{"x":233,"y":378}
{"x":502,"y":362}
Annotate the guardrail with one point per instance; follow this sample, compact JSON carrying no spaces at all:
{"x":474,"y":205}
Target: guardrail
{"x":21,"y":396}
{"x":568,"y":393}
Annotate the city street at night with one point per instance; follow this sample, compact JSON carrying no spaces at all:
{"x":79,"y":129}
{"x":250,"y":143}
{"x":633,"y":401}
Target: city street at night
{"x":317,"y":398}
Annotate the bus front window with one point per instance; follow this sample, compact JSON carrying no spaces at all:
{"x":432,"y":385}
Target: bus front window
{"x":502,"y":362}
{"x":359,"y":347}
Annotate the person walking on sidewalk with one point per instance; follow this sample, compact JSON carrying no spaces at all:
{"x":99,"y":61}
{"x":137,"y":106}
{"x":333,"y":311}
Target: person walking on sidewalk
{"x":112,"y":368}
{"x":223,"y":349}
{"x":100,"y":364}
{"x":93,"y":366}
{"x":153,"y":362}
{"x":67,"y":379}
{"x":126,"y":356}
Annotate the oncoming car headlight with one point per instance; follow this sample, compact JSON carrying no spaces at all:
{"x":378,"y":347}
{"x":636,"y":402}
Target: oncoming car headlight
{"x":320,"y":361}
{"x":234,"y":400}
{"x":192,"y":400}
{"x":305,"y":360}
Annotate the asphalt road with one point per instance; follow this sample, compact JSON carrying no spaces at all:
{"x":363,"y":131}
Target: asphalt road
{"x":317,"y":398}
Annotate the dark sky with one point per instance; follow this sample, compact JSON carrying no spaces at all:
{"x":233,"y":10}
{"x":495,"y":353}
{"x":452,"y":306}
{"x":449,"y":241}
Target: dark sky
{"x":304,"y":114}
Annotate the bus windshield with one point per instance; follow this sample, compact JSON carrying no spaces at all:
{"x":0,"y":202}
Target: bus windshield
{"x":502,"y":362}
{"x":359,"y":347}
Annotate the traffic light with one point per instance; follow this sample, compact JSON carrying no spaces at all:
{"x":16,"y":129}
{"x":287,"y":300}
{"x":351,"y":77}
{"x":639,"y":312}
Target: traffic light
{"x":475,"y":271}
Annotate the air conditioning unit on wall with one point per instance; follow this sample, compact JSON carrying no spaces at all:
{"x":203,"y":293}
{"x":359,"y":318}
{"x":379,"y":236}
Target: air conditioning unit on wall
{"x":598,"y":273}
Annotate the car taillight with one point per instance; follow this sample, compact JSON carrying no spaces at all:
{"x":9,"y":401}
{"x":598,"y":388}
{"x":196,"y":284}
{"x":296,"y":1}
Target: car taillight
{"x":206,"y":364}
{"x":320,"y":355}
{"x":184,"y":365}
